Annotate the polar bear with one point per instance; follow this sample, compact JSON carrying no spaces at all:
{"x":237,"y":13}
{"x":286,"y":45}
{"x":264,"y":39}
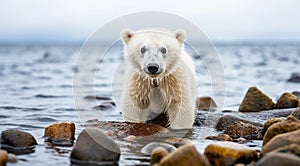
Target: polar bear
{"x":159,"y":78}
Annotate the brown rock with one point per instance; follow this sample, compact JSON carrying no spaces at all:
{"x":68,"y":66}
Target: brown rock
{"x":281,"y":140}
{"x":229,"y":153}
{"x":185,"y":155}
{"x":287,"y":100}
{"x":205,"y":103}
{"x":288,"y":125}
{"x":148,"y":149}
{"x":3,"y":157}
{"x":157,"y":154}
{"x":229,"y":120}
{"x":240,"y":129}
{"x":268,"y":123}
{"x":61,"y":131}
{"x":93,"y":145}
{"x":17,"y":138}
{"x":292,"y":148}
{"x":296,"y":113}
{"x":279,"y":159}
{"x":255,"y":101}
{"x":221,"y":137}
{"x":178,"y":141}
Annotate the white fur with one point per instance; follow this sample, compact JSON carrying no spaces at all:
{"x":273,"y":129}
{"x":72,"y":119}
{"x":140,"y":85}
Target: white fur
{"x":172,"y":92}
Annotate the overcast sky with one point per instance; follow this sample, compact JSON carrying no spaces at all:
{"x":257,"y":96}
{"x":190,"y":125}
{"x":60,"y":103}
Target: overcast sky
{"x":36,"y":21}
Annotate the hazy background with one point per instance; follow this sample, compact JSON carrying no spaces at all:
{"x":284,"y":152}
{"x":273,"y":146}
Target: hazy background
{"x":63,"y":22}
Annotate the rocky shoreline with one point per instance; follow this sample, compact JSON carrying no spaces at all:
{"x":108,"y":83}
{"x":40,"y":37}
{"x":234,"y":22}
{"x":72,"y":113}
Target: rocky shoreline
{"x":105,"y":142}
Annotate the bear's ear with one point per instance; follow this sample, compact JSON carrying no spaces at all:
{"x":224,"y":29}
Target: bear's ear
{"x":180,"y":35}
{"x":126,"y":35}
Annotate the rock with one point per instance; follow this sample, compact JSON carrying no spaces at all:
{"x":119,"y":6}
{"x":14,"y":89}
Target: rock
{"x":240,"y":129}
{"x":268,"y":123}
{"x":147,"y":149}
{"x":296,"y":93}
{"x":130,"y":138}
{"x":185,"y":155}
{"x":61,"y":133}
{"x":93,"y":145}
{"x":124,"y":129}
{"x":281,"y":140}
{"x":255,"y":101}
{"x":292,"y":148}
{"x":288,"y":125}
{"x":17,"y":138}
{"x":296,"y":113}
{"x":295,"y":77}
{"x":157,"y":154}
{"x":279,"y":159}
{"x":229,"y":153}
{"x":12,"y":158}
{"x":287,"y":100}
{"x":229,"y":120}
{"x":221,"y":137}
{"x":177,"y":142}
{"x":3,"y":157}
{"x":205,"y":103}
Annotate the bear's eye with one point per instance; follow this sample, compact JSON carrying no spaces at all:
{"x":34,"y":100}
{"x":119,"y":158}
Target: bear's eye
{"x":163,"y":50}
{"x":143,"y":50}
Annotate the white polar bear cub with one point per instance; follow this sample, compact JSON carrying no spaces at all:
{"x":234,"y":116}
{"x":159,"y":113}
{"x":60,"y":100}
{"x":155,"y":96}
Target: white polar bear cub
{"x":159,"y":78}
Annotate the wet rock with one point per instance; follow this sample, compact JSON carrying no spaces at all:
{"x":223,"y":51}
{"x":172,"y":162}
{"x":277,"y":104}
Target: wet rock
{"x":229,"y":120}
{"x":61,"y":133}
{"x":93,"y":145}
{"x":221,"y":137}
{"x":268,"y":123}
{"x":296,"y":93}
{"x":288,"y":125}
{"x":130,"y":138}
{"x":3,"y":157}
{"x":157,"y":154}
{"x":295,"y":77}
{"x":229,"y":153}
{"x":12,"y":158}
{"x":296,"y":113}
{"x":279,"y":159}
{"x":292,"y":148}
{"x":281,"y":140}
{"x":240,"y":129}
{"x":124,"y":129}
{"x":287,"y":100}
{"x":255,"y":100}
{"x":177,"y":142}
{"x":147,"y":149}
{"x":17,"y":138}
{"x":186,"y":155}
{"x":205,"y":103}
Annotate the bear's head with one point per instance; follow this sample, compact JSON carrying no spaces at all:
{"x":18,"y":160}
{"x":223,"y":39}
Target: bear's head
{"x":154,"y":53}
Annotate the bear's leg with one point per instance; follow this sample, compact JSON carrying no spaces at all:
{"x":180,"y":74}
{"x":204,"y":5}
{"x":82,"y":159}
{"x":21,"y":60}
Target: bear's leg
{"x":181,"y":116}
{"x":132,"y":114}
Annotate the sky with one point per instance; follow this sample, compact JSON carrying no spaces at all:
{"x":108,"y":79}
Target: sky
{"x":70,"y":21}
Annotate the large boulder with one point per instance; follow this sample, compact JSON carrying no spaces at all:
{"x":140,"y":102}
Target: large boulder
{"x":17,"y":138}
{"x":288,"y":125}
{"x":229,"y":153}
{"x":240,"y":129}
{"x":287,"y":100}
{"x":185,"y":155}
{"x":255,"y":100}
{"x":94,"y":146}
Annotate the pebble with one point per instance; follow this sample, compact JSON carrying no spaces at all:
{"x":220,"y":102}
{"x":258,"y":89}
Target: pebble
{"x":205,"y":103}
{"x":157,"y":154}
{"x":93,"y":145}
{"x":221,"y":137}
{"x":130,"y":138}
{"x":255,"y":100}
{"x":229,"y":153}
{"x":12,"y":158}
{"x":240,"y":129}
{"x":17,"y":138}
{"x":147,"y":149}
{"x":287,"y":100}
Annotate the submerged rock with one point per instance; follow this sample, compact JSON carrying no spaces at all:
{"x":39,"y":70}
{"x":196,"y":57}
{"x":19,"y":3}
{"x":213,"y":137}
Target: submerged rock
{"x":94,"y":146}
{"x":221,"y":137}
{"x":240,"y":129}
{"x":62,"y":133}
{"x":295,"y":77}
{"x":279,"y":159}
{"x":268,"y":123}
{"x":287,"y":100}
{"x":229,"y":120}
{"x":3,"y":157}
{"x":229,"y":153}
{"x":205,"y":103}
{"x":255,"y":100}
{"x":281,"y":140}
{"x":17,"y":138}
{"x":147,"y":149}
{"x":288,"y":125}
{"x":157,"y":154}
{"x":185,"y":155}
{"x":177,"y":142}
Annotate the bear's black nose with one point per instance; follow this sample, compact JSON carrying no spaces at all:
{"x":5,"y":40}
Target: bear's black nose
{"x":152,"y":68}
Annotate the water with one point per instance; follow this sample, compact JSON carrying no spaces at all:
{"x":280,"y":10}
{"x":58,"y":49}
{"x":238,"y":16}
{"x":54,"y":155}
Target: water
{"x":36,"y":90}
